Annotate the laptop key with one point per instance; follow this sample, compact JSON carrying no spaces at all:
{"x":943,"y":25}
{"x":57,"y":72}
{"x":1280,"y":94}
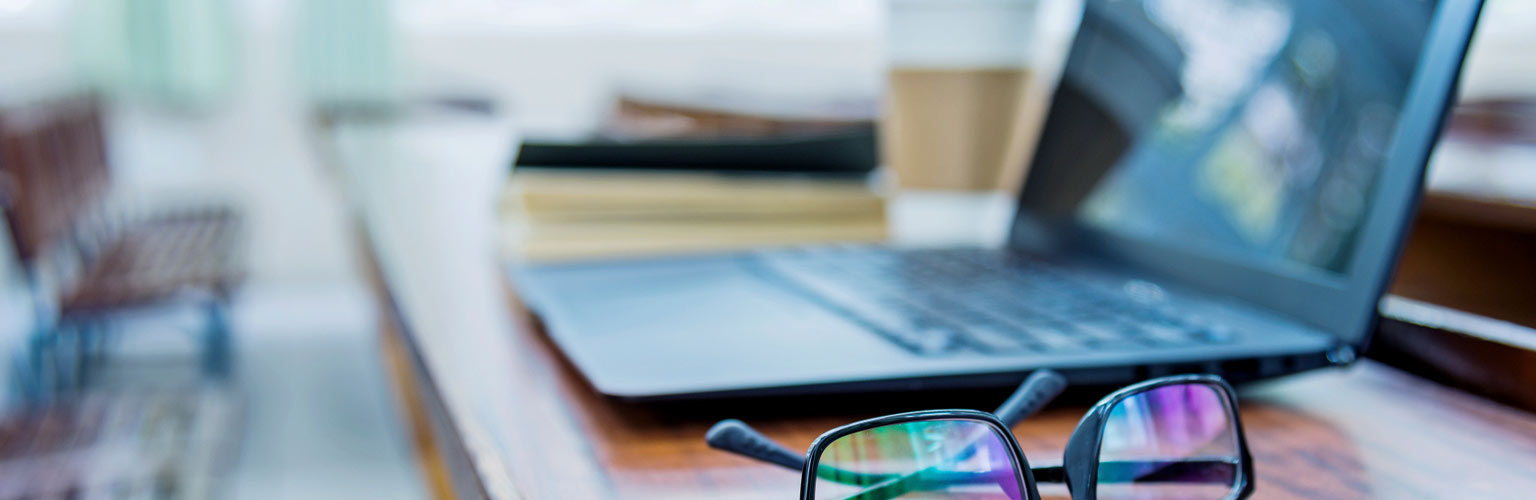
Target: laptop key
{"x":932,"y":340}
{"x":990,"y":341}
{"x":1165,"y":333}
{"x":1052,"y":337}
{"x":1099,"y":331}
{"x":1211,"y":335}
{"x":1114,"y":344}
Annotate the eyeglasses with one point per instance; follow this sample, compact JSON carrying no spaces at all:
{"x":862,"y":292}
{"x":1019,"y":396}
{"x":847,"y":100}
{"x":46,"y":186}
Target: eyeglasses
{"x":1172,"y":438}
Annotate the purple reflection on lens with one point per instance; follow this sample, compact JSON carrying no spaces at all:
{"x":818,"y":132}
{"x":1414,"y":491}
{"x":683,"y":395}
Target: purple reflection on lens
{"x":1174,"y":441}
{"x":1173,"y":420}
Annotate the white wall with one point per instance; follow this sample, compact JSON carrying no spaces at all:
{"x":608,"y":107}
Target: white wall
{"x":557,"y":62}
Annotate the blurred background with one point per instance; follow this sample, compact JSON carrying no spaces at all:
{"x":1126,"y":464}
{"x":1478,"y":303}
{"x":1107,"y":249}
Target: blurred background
{"x":190,"y":187}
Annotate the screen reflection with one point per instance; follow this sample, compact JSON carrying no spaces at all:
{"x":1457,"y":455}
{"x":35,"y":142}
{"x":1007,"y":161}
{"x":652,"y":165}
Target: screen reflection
{"x":1249,"y":130}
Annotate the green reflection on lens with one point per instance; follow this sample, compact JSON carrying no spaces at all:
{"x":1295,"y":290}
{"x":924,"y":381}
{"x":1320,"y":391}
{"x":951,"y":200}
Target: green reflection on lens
{"x":953,"y":458}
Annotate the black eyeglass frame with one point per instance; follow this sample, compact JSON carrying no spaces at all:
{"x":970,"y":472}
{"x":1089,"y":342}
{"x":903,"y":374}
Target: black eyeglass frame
{"x":1026,"y":476}
{"x":1081,"y":459}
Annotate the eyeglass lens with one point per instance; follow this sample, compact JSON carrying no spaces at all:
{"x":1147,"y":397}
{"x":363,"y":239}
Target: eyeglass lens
{"x":930,"y":459}
{"x":1174,"y":442}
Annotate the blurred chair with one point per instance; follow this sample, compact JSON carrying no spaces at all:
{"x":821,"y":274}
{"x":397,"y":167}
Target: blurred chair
{"x":87,"y":261}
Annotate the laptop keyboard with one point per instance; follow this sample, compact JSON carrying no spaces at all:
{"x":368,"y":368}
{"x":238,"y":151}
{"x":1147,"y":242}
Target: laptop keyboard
{"x":939,"y":302}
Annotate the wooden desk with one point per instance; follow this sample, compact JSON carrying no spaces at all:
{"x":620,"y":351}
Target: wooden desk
{"x":504,"y":417}
{"x":537,"y":431}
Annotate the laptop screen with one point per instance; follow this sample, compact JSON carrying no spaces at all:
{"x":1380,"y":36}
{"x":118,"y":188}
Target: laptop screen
{"x":1249,"y":131}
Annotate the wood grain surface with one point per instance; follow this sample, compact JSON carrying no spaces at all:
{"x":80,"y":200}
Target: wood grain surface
{"x":1366,"y":432}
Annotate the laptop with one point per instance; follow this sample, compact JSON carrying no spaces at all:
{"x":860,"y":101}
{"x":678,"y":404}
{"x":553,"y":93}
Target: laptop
{"x":1220,"y":186}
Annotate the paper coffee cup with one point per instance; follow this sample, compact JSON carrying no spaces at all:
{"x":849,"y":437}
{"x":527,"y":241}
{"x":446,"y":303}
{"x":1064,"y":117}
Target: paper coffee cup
{"x":957,"y":84}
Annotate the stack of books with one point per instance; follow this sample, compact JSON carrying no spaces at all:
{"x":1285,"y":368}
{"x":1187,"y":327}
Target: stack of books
{"x":558,"y":214}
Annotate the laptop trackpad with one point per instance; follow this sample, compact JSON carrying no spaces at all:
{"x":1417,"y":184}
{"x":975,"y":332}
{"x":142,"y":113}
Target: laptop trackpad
{"x":659,"y":326}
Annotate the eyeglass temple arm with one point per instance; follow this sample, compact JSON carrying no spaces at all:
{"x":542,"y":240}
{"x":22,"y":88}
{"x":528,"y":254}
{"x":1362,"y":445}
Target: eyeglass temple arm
{"x":1038,"y":390}
{"x":737,"y":437}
